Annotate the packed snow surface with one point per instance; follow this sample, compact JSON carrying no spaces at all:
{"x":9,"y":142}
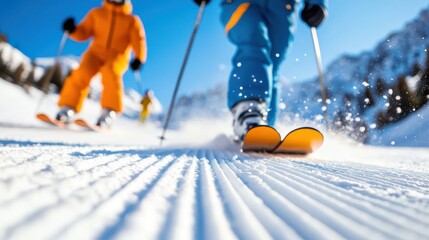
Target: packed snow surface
{"x":121,"y":184}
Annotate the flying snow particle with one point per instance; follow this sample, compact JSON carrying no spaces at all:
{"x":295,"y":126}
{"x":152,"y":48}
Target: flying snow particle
{"x":239,"y":64}
{"x":366,"y":84}
{"x":390,"y":91}
{"x":398,"y":110}
{"x":362,"y":129}
{"x":398,"y":97}
{"x":372,"y":126}
{"x":392,"y":143}
{"x":277,"y":55}
{"x":282,"y":106}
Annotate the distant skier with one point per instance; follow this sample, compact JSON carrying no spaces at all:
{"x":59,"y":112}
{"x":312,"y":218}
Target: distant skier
{"x":147,"y":105}
{"x":115,"y":30}
{"x":262,"y":31}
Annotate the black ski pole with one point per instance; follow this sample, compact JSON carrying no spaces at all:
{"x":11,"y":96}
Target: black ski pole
{"x":182,"y":70}
{"x":50,"y":75}
{"x":323,"y":89}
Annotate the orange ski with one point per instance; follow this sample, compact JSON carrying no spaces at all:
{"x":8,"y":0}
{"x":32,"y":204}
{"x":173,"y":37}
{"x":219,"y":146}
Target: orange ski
{"x":301,"y":141}
{"x":261,"y":139}
{"x":267,"y":139}
{"x":85,"y":124}
{"x":49,"y":120}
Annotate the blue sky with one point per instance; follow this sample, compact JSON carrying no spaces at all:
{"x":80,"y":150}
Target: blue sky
{"x":352,"y":27}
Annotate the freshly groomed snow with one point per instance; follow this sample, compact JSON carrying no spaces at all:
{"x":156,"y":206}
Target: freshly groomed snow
{"x":120,"y":184}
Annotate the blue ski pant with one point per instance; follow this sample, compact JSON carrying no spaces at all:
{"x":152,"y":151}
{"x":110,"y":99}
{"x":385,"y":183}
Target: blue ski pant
{"x":262,"y":31}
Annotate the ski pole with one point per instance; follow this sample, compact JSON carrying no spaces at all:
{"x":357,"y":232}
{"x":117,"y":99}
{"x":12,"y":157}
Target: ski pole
{"x":50,"y":75}
{"x":138,"y":78}
{"x":182,"y":69}
{"x":321,"y":75}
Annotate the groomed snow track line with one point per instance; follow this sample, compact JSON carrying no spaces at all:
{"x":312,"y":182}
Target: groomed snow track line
{"x":64,"y":192}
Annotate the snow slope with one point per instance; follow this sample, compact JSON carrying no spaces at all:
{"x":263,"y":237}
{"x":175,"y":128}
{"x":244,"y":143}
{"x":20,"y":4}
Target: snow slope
{"x":70,"y":183}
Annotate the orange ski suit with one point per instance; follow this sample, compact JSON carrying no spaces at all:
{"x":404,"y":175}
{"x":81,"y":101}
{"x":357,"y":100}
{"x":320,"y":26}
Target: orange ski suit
{"x":115,"y":30}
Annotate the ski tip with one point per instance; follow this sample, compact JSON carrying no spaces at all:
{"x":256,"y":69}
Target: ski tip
{"x":41,"y":115}
{"x":85,"y":124}
{"x":301,"y":141}
{"x":47,"y":119}
{"x":261,"y":139}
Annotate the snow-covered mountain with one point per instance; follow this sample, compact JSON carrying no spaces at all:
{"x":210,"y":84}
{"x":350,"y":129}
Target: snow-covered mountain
{"x":348,"y":77}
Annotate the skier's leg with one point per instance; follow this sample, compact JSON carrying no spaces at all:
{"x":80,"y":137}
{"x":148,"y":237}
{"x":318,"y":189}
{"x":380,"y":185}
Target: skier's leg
{"x":281,"y":21}
{"x":76,"y":86}
{"x":250,"y":78}
{"x":112,"y":72}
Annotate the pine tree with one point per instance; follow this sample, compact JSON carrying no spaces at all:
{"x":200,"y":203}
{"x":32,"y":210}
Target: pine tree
{"x":3,"y":37}
{"x":406,"y":103}
{"x":382,"y":120}
{"x":369,"y":98}
{"x":380,"y":87}
{"x":422,"y":93}
{"x":416,"y":69}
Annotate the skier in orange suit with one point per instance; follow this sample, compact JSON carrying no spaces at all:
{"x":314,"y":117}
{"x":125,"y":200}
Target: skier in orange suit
{"x":115,"y":31}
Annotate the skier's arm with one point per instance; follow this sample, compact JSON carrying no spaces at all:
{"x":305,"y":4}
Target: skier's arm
{"x":138,"y":40}
{"x":84,"y":30}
